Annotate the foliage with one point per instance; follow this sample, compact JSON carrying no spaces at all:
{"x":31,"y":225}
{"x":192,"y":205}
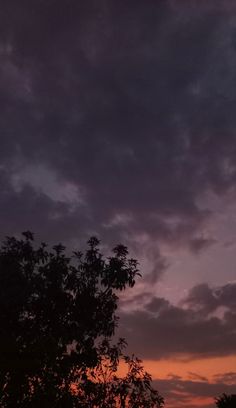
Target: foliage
{"x":102,"y":387}
{"x":226,"y":401}
{"x":56,"y":323}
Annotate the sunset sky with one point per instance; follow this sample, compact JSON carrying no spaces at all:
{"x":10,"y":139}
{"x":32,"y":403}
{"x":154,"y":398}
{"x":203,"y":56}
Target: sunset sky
{"x":118,"y":119}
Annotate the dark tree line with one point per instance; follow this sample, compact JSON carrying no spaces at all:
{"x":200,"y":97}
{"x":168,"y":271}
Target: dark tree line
{"x":57,"y":321}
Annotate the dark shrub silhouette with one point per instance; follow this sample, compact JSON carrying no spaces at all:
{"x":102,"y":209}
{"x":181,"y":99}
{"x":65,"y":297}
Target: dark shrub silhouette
{"x":226,"y":401}
{"x":56,"y":324}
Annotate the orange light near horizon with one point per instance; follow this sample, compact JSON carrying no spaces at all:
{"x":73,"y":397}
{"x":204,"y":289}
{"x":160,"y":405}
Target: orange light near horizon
{"x":196,"y":402}
{"x":208,"y":367}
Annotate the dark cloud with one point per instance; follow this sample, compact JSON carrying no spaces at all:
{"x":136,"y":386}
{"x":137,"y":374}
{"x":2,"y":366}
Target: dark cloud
{"x":157,"y":304}
{"x":200,"y":243}
{"x":202,"y":297}
{"x":37,"y":210}
{"x":162,"y":330}
{"x":207,"y":299}
{"x":132,"y":103}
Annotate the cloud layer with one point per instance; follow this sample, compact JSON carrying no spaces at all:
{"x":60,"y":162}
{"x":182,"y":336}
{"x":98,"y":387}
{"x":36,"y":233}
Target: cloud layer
{"x":157,"y":329}
{"x":133,"y":105}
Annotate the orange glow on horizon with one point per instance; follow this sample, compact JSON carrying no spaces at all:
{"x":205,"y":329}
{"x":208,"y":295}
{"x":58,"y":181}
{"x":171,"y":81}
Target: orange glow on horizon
{"x":208,"y":367}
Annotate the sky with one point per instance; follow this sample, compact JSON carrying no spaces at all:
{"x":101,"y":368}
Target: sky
{"x":118,"y":120}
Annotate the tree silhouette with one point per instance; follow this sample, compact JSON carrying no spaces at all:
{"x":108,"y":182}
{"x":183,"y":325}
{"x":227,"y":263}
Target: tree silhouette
{"x":226,"y":401}
{"x":102,"y":387}
{"x":56,"y":325}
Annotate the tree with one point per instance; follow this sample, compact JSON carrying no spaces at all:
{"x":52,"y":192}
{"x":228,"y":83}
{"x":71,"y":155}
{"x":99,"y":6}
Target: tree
{"x":101,"y":387}
{"x":226,"y":401}
{"x":56,"y":324}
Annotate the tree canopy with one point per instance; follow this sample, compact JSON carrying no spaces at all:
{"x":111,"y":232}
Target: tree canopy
{"x":226,"y":401}
{"x":57,"y":321}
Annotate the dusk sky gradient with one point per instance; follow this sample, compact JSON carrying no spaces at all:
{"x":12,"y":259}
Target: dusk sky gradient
{"x":118,"y":119}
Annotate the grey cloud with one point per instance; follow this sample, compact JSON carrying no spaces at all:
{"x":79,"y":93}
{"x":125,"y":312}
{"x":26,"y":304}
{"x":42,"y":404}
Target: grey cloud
{"x":162,"y":330}
{"x":202,"y":297}
{"x":40,"y":213}
{"x":130,"y":104}
{"x":200,"y":243}
{"x":157,"y":304}
{"x":208,"y":299}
